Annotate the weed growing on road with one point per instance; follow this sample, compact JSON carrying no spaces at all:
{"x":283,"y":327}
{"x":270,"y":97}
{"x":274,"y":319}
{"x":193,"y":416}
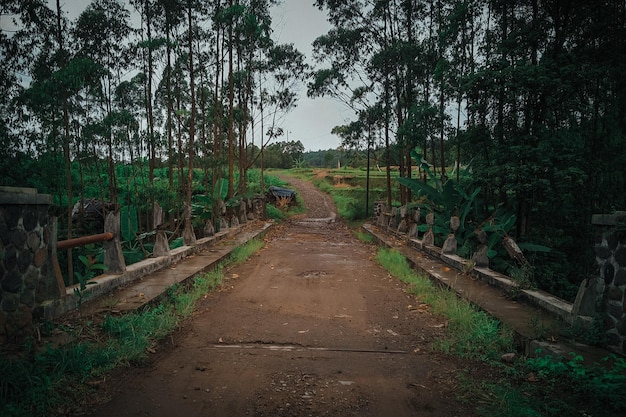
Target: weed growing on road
{"x":364,"y":237}
{"x":242,"y":253}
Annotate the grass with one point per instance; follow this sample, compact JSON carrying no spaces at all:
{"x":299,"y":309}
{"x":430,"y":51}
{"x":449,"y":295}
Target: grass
{"x":543,"y":386}
{"x":57,"y":380}
{"x":364,"y":237}
{"x":472,"y":334}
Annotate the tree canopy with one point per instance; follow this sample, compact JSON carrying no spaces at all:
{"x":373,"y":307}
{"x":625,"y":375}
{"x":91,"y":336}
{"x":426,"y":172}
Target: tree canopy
{"x":530,"y":93}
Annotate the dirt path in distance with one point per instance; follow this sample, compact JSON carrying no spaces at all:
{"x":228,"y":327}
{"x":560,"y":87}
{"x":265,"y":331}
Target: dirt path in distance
{"x":309,"y":326}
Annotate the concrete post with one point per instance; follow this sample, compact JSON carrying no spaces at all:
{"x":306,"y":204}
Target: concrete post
{"x":113,"y":255}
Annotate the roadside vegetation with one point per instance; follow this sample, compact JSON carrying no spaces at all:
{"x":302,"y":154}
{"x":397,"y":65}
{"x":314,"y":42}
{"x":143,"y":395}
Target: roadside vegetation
{"x":56,"y":380}
{"x":527,"y":387}
{"x":543,"y":386}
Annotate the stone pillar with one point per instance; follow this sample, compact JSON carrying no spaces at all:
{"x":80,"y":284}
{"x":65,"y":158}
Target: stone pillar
{"x":250,"y":210}
{"x":234,"y":221}
{"x":480,"y":258}
{"x":258,"y":207}
{"x":209,"y":230}
{"x":243,"y":212}
{"x":113,"y":255}
{"x":381,"y":209}
{"x":392,"y":219}
{"x":189,"y":236}
{"x":429,"y":236}
{"x":450,"y":245}
{"x":223,"y":224}
{"x":403,"y":226}
{"x":26,"y":270}
{"x":413,"y":232}
{"x":610,"y":249}
{"x":161,"y":245}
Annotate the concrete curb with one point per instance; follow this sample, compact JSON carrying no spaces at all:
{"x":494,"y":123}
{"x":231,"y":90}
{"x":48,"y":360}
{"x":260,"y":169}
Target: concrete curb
{"x":534,"y":304}
{"x":107,"y":283}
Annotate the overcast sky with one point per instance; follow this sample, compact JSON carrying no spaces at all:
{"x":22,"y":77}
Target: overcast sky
{"x":297,"y":22}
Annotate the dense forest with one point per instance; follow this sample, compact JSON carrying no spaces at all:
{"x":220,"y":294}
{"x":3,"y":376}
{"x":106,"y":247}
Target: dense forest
{"x":530,"y":94}
{"x":528,"y":97}
{"x":177,"y":84}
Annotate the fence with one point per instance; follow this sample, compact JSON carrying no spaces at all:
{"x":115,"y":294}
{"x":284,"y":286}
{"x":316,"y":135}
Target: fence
{"x":31,"y":283}
{"x":601,"y":299}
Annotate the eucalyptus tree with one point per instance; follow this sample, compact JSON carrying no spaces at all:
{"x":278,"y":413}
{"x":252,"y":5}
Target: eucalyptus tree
{"x":281,"y":72}
{"x":358,"y":57}
{"x":253,"y":38}
{"x":168,"y":17}
{"x":28,"y":49}
{"x":148,"y":45}
{"x":191,"y":6}
{"x":58,"y":75}
{"x":259,"y":76}
{"x":101,"y":32}
{"x":230,"y":16}
{"x":25,"y":29}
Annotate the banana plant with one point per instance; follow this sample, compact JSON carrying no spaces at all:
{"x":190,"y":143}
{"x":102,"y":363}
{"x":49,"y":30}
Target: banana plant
{"x":445,"y":199}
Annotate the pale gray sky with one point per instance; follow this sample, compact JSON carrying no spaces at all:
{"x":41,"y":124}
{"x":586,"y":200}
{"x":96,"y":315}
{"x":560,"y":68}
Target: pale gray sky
{"x":297,"y":22}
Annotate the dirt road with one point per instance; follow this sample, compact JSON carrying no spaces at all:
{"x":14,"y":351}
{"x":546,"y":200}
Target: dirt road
{"x":310,"y":326}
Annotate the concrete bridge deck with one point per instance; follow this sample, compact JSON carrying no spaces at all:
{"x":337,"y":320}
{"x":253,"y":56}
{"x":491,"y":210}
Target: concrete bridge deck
{"x":536,"y":326}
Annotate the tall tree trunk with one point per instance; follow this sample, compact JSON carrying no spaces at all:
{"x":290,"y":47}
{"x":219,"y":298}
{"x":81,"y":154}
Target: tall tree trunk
{"x":231,"y":111}
{"x":170,"y":111}
{"x":151,"y":141}
{"x":387,"y":115}
{"x":217,"y":113}
{"x":192,"y":118}
{"x":66,"y":148}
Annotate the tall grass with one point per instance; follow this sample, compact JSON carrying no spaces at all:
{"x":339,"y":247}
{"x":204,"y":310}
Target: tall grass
{"x":471,"y":333}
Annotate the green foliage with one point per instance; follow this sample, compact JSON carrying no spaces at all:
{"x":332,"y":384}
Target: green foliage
{"x":364,"y":237}
{"x":593,"y":334}
{"x":471,"y":333}
{"x":241,"y":253}
{"x":91,"y":269}
{"x":450,"y":198}
{"x":541,"y":386}
{"x":447,"y":199}
{"x":205,"y":206}
{"x":568,"y":386}
{"x":274,"y":213}
{"x":350,"y":201}
{"x":128,"y":223}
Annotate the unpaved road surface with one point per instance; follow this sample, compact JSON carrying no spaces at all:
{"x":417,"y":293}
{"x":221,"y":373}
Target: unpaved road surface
{"x":309,"y":326}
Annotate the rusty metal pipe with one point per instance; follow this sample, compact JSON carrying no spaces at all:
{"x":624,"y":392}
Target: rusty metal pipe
{"x":84,"y":240}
